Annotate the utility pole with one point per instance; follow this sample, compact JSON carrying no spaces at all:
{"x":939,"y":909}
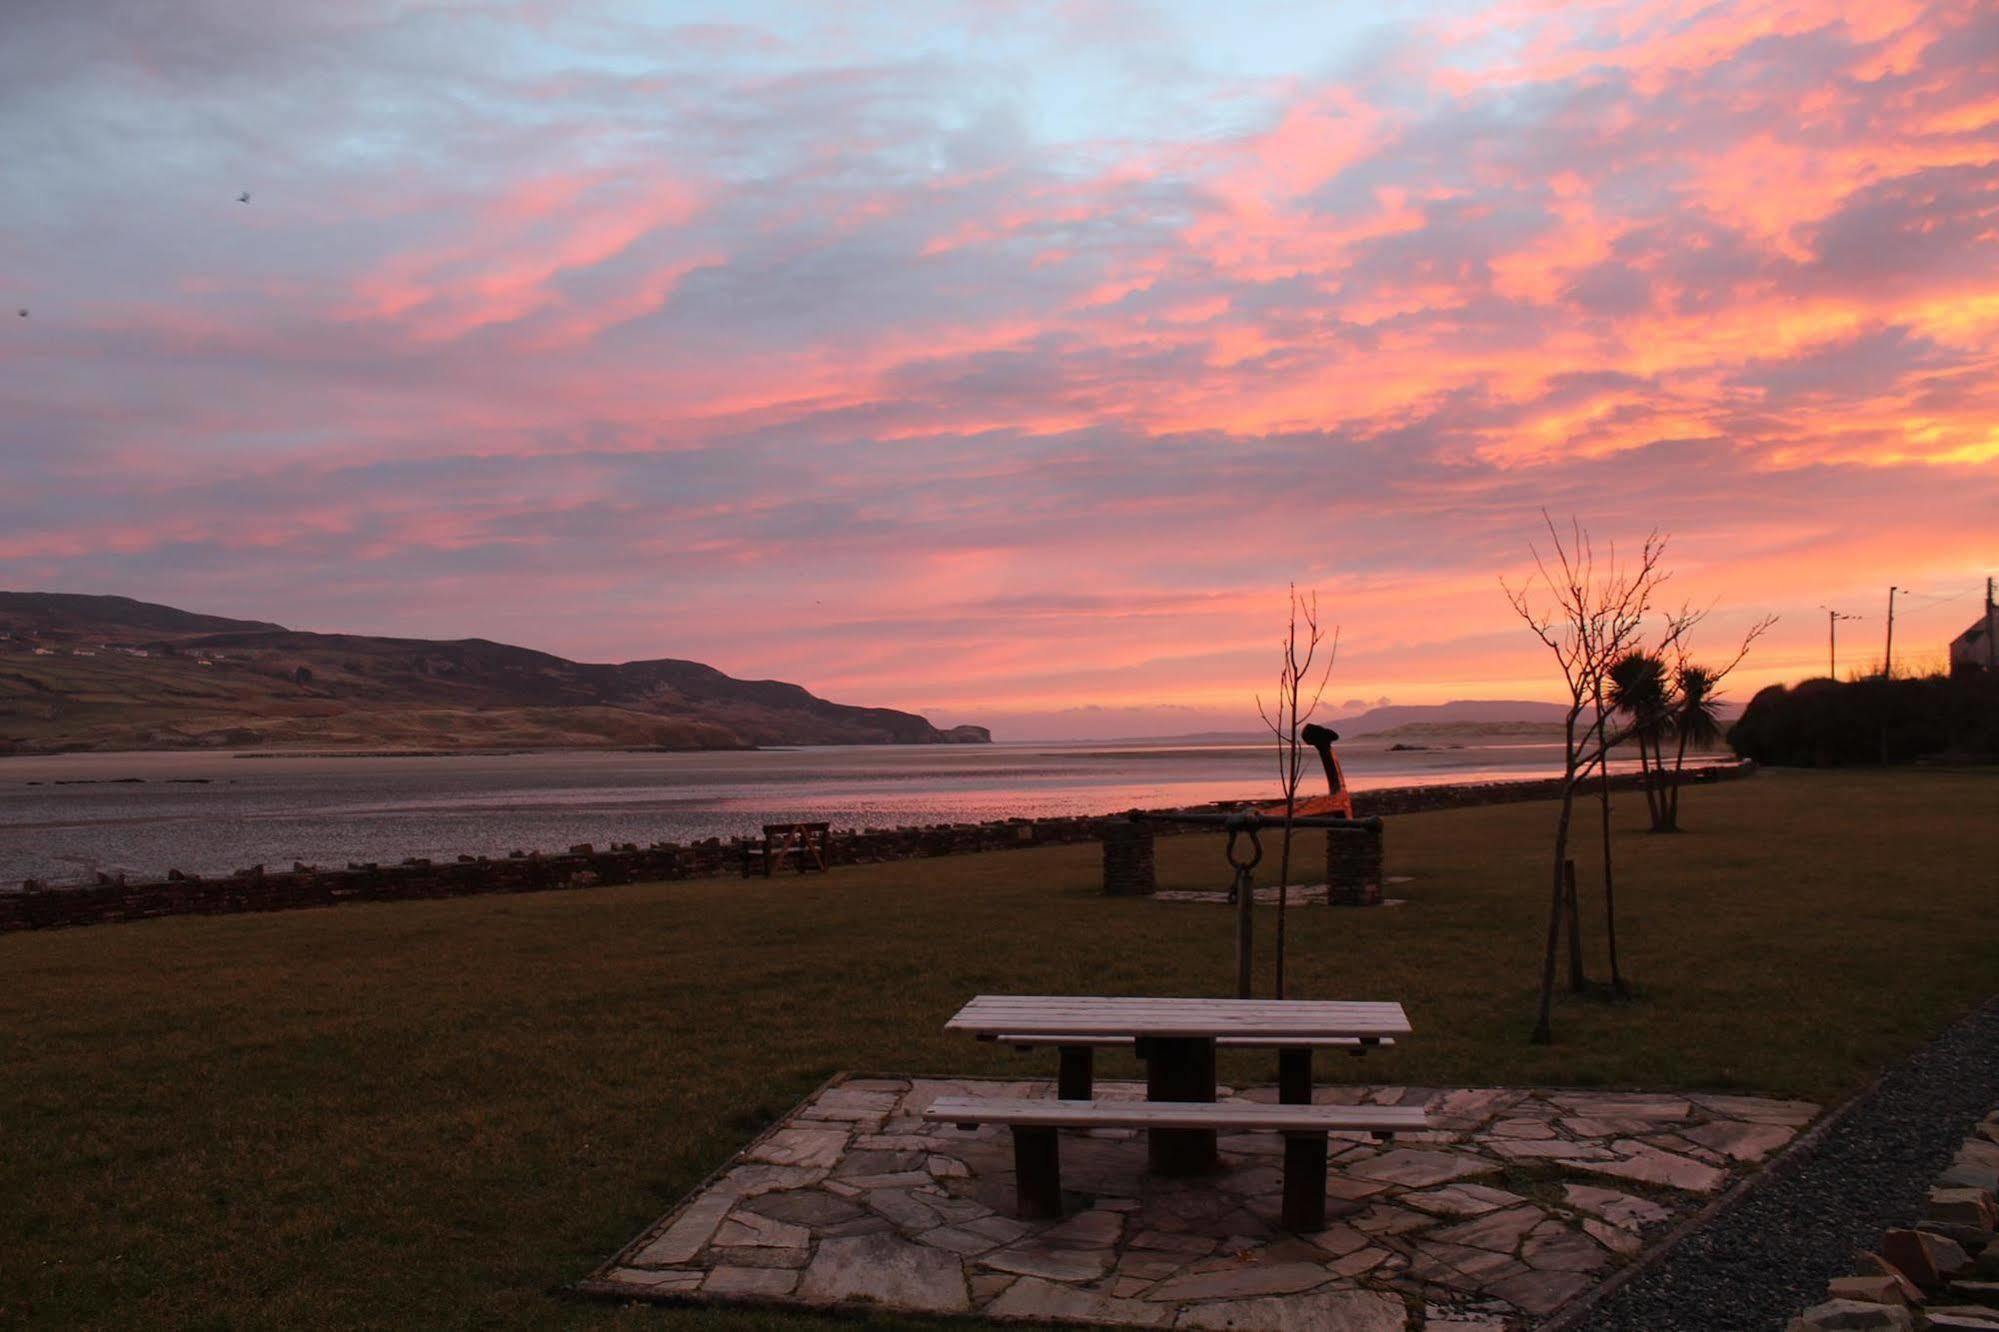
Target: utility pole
{"x":1888,"y":654}
{"x":1991,"y":634}
{"x":1832,"y":619}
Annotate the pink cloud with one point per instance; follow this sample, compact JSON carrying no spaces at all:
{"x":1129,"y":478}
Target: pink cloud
{"x":1006,"y":419}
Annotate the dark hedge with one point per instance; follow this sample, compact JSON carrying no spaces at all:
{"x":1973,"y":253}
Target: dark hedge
{"x":1832,"y":723}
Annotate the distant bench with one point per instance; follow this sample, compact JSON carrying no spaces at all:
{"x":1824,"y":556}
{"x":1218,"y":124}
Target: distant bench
{"x":1037,"y":1156}
{"x":805,"y":843}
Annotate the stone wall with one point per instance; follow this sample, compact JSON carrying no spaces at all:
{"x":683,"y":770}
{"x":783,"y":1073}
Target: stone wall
{"x":1457,"y":795}
{"x":36,"y":906}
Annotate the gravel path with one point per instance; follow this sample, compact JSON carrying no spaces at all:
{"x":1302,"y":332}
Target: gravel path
{"x":1761,"y":1262}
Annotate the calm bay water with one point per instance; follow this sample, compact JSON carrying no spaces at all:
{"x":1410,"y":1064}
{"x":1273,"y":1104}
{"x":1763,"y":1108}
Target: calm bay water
{"x":64,"y":818}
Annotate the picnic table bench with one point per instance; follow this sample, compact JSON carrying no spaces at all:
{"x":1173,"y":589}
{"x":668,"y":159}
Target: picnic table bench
{"x":804,"y":842}
{"x":1177,"y":1039}
{"x":1037,"y":1162}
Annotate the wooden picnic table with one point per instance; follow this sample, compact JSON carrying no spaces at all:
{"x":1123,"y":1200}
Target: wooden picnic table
{"x":1176,"y":1039}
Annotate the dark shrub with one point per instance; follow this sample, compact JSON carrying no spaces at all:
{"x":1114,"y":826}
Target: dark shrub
{"x":1828,"y":723}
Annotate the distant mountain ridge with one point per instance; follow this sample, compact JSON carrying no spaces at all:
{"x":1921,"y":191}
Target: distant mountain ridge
{"x":1378,"y":721}
{"x":86,"y":672}
{"x":80,"y":610}
{"x":1455,"y":713}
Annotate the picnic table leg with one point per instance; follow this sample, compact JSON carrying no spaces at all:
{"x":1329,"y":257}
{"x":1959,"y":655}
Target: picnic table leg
{"x":1304,"y":1181}
{"x":1037,"y":1172}
{"x":1180,"y":1068}
{"x":1294,"y":1076}
{"x":1073,"y":1081}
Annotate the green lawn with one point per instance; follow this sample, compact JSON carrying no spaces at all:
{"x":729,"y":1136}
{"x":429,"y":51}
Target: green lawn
{"x":441,"y":1113}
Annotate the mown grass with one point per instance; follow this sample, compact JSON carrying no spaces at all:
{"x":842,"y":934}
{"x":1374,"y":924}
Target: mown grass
{"x":440,"y":1114}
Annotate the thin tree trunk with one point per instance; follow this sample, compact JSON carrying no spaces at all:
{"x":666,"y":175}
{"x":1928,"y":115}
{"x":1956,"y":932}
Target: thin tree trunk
{"x":1578,"y":982}
{"x":1544,"y":1029}
{"x":1655,"y":778}
{"x":1609,"y":887}
{"x":1284,"y":854}
{"x":1673,"y":807}
{"x":1284,"y":887}
{"x":1644,"y":768}
{"x":1544,"y":1024}
{"x":1647,"y":778}
{"x":1609,"y":879}
{"x":1290,"y":772}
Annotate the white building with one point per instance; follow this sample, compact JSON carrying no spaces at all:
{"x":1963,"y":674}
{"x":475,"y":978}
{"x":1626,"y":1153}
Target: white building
{"x":1975,"y":648}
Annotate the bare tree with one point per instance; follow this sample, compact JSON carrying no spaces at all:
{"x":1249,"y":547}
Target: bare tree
{"x":1588,"y":613}
{"x":1290,"y":711}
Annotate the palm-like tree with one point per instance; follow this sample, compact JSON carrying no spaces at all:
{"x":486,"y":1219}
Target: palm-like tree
{"x":1696,"y":720}
{"x":1638,"y":691}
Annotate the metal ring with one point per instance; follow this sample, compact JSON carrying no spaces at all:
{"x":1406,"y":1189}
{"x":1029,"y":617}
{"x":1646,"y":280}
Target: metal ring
{"x":1255,"y":849}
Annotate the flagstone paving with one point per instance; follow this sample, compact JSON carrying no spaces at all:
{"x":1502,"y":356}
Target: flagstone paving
{"x":1515,"y":1204}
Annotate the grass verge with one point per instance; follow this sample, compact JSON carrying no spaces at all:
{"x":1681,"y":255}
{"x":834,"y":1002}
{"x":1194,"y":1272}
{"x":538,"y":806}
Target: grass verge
{"x":441,"y":1113}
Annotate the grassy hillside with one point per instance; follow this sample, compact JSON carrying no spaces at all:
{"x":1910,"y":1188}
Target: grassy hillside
{"x":110,"y":673}
{"x":438,"y":1114}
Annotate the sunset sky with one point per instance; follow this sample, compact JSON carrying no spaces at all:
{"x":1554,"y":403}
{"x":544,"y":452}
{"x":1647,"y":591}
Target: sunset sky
{"x":1002,"y":361}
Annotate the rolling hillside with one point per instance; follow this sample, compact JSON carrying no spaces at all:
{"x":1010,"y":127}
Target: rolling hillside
{"x":110,"y":673}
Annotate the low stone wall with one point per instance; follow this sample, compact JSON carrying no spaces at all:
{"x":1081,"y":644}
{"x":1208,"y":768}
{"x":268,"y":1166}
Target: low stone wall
{"x":1943,"y":1272}
{"x":1457,"y":795}
{"x":37,"y":906}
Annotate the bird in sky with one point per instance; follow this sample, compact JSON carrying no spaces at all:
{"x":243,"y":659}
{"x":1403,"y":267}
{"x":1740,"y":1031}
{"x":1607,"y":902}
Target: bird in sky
{"x":244,"y":197}
{"x":24,"y":312}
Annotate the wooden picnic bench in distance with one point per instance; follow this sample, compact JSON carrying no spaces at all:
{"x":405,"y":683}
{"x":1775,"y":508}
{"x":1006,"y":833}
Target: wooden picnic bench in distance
{"x":805,"y":841}
{"x":1177,"y":1038}
{"x":1037,"y":1162}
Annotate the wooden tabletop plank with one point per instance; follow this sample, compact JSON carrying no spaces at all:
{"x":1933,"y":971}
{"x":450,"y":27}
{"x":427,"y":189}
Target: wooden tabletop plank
{"x":1222,"y":1006}
{"x":1013,"y":1001}
{"x":1054,"y":1015}
{"x":1247,"y":1115}
{"x":1226,"y":1042}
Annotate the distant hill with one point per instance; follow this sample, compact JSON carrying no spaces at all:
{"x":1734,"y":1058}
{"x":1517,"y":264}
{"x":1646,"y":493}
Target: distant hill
{"x":68,"y":612}
{"x":1461,"y":712}
{"x":1492,"y":715}
{"x":83,"y":672}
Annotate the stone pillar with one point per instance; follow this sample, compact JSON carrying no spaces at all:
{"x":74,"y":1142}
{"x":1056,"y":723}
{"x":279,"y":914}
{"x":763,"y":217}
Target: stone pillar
{"x":1353,"y":865}
{"x":1128,"y":859}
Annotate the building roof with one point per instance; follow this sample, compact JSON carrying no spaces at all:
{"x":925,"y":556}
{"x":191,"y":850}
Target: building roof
{"x":1974,"y":637}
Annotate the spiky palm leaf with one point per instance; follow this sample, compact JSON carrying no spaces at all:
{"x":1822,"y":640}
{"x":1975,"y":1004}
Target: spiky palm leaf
{"x":1638,"y":690}
{"x":1697,"y":710}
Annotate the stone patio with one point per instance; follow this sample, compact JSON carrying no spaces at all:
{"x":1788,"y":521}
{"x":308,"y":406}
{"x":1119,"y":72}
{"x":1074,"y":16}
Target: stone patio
{"x":1518,"y":1203}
